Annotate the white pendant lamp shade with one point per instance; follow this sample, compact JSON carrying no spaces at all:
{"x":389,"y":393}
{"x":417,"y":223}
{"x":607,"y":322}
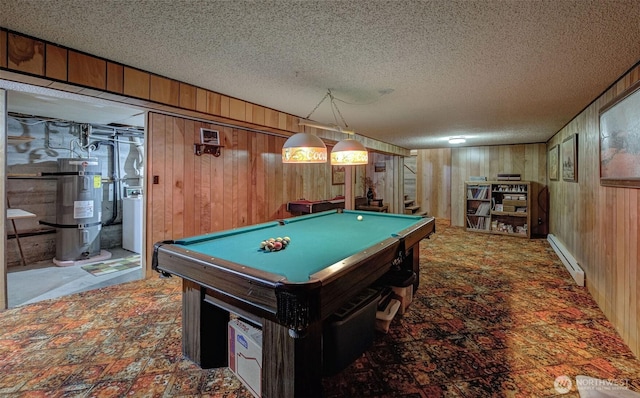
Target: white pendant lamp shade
{"x":304,"y":148}
{"x":349,"y":152}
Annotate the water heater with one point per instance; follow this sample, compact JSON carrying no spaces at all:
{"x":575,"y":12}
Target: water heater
{"x":79,"y":209}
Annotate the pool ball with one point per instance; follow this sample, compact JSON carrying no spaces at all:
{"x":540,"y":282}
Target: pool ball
{"x":359,"y":218}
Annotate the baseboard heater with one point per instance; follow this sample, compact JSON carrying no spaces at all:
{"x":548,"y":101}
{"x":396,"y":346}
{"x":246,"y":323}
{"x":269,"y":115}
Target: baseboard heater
{"x":567,"y":259}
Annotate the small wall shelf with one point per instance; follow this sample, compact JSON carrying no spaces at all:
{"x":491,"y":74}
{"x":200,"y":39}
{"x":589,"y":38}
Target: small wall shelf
{"x":200,"y":149}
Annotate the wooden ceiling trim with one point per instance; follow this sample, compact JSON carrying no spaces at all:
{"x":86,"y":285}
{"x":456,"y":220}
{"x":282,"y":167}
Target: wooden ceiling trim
{"x":146,"y":89}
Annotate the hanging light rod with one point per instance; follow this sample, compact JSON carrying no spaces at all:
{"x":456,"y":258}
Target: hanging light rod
{"x":322,"y":126}
{"x":457,"y":140}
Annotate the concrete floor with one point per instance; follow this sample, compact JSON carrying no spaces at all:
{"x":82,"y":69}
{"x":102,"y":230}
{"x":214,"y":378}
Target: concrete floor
{"x":44,"y":280}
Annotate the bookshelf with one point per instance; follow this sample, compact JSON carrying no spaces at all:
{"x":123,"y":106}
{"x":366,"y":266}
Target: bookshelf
{"x":499,"y":207}
{"x":478,"y":206}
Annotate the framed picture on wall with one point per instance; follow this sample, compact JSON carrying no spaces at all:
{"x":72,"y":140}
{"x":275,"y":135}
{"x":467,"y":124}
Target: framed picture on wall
{"x":620,"y":140}
{"x":337,"y":175}
{"x":570,"y":158}
{"x":209,"y":137}
{"x":554,"y":162}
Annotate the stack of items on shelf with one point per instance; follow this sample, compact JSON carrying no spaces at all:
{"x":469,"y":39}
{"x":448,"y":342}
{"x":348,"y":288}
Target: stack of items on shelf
{"x":511,"y":188}
{"x":478,"y":192}
{"x":478,"y":223}
{"x":482,"y":210}
{"x":508,"y":228}
{"x":517,"y":203}
{"x":508,"y":177}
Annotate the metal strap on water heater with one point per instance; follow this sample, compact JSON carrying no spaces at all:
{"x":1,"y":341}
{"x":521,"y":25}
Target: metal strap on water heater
{"x":73,"y":173}
{"x":78,"y":226}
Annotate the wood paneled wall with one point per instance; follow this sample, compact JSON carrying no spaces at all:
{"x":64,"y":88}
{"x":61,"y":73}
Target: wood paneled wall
{"x":433,"y":182}
{"x":601,"y":225}
{"x":246,"y":184}
{"x":441,"y":174}
{"x":389,"y":184}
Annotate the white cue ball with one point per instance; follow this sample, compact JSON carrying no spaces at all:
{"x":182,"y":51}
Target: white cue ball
{"x":359,"y":218}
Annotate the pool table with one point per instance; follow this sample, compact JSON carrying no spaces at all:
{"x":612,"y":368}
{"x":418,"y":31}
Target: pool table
{"x":289,"y":293}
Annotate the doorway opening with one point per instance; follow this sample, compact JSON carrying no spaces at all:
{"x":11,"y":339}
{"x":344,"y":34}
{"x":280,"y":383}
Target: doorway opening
{"x":74,"y":193}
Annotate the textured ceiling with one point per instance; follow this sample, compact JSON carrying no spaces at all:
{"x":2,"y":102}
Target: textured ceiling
{"x":411,"y":73}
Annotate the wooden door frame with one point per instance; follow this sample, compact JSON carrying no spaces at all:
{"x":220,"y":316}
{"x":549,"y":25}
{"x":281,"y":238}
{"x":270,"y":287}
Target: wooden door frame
{"x":3,"y":194}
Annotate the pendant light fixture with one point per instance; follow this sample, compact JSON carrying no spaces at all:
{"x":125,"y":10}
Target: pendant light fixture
{"x":346,"y":152}
{"x":349,"y":152}
{"x":304,"y":148}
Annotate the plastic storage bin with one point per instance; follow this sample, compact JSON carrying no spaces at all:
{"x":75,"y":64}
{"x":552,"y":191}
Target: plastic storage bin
{"x":349,"y":332}
{"x":385,"y":316}
{"x":401,"y":282}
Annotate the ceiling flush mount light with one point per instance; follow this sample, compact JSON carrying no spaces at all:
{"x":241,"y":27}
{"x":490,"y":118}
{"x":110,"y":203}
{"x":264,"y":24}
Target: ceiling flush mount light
{"x":457,"y":140}
{"x":346,"y":152}
{"x":304,"y":148}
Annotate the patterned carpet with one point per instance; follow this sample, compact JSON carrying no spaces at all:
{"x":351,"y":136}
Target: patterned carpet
{"x":494,"y":317}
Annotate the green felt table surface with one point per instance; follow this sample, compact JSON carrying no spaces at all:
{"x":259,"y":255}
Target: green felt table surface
{"x":317,"y":241}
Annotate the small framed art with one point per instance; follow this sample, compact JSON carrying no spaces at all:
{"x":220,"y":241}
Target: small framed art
{"x":554,"y":159}
{"x":337,"y":175}
{"x":570,"y":158}
{"x":209,"y":137}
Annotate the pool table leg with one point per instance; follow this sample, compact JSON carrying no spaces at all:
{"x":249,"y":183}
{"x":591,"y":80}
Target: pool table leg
{"x":200,"y":319}
{"x":291,"y":367}
{"x":415,"y":253}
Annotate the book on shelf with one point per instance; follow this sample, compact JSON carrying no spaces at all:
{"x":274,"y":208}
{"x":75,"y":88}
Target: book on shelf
{"x":478,"y":192}
{"x":483,"y":209}
{"x":479,"y":223}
